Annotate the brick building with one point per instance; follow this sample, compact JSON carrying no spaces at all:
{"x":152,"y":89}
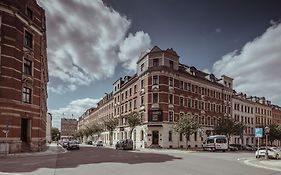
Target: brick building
{"x":68,"y":127}
{"x":161,"y":91}
{"x":244,"y":111}
{"x":23,"y":75}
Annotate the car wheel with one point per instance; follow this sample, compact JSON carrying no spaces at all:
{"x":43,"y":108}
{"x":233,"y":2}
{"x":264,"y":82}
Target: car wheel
{"x":277,"y":156}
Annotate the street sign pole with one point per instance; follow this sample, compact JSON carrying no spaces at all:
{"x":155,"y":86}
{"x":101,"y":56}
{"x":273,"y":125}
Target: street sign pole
{"x":258,"y":146}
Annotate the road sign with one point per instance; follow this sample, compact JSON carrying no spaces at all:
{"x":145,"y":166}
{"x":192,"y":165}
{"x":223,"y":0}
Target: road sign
{"x":258,"y":132}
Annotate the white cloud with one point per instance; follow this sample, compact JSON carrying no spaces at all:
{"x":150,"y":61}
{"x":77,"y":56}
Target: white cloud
{"x":74,"y":109}
{"x":256,"y":69}
{"x":131,"y":48}
{"x":84,"y":41}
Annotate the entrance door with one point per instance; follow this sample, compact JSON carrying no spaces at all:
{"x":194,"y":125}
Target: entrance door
{"x":24,"y":129}
{"x":155,"y":137}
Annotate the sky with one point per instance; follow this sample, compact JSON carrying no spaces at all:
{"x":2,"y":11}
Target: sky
{"x":91,"y":43}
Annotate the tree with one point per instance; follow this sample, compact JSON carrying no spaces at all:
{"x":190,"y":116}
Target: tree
{"x":55,"y":133}
{"x":97,"y":129}
{"x":133,"y":121}
{"x":110,"y":124}
{"x":274,"y":133}
{"x":228,"y":128}
{"x":79,"y":134}
{"x":187,"y":126}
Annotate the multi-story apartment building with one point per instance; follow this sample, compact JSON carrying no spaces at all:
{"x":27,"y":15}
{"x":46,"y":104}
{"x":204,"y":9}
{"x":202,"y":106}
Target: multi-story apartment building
{"x":23,"y":75}
{"x":276,"y":114}
{"x":244,"y":111}
{"x":161,"y":91}
{"x":263,"y":112}
{"x":68,"y":127}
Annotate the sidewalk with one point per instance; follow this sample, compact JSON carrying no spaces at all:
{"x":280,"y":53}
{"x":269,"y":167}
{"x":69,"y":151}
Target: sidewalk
{"x":52,"y":149}
{"x":267,"y":164}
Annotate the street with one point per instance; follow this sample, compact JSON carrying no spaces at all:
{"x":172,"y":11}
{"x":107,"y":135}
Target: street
{"x":104,"y":161}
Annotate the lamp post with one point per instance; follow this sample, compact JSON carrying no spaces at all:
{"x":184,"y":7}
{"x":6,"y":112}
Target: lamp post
{"x":266,"y":129}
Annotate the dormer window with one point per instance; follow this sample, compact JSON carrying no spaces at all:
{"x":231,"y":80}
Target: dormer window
{"x":29,"y":13}
{"x":142,"y":66}
{"x":155,"y":62}
{"x":171,"y":63}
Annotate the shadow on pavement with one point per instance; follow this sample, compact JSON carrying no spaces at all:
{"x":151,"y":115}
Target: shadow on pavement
{"x":86,"y":155}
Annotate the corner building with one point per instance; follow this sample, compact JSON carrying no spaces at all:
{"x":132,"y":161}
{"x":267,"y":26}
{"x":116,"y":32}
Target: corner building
{"x":161,"y":91}
{"x":23,"y":75}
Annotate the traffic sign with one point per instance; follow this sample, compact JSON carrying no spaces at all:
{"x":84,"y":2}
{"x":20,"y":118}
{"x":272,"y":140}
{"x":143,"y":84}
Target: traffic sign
{"x":259,"y":132}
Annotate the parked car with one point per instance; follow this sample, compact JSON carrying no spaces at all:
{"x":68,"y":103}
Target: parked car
{"x":126,"y":144}
{"x":98,"y":143}
{"x":232,"y":148}
{"x":73,"y":144}
{"x":89,"y":142}
{"x":64,"y":143}
{"x":249,"y":148}
{"x":238,"y":146}
{"x":273,"y":152}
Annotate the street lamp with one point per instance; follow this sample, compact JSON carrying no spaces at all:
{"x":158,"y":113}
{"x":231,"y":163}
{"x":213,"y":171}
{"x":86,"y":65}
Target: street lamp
{"x":266,"y":130}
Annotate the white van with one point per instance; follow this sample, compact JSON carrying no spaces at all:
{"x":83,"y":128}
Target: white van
{"x":215,"y":142}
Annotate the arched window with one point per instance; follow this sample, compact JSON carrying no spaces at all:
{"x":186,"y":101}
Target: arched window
{"x":141,"y":135}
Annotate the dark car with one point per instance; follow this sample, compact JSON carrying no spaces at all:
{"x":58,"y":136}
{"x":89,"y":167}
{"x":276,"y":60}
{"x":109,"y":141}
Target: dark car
{"x":89,"y":142}
{"x":126,"y":144}
{"x":98,"y":143}
{"x":238,"y":146}
{"x":72,"y":145}
{"x":232,"y":148}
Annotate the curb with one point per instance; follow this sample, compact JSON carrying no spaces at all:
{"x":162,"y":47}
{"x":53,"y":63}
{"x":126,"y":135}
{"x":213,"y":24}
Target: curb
{"x":32,"y":154}
{"x":251,"y":163}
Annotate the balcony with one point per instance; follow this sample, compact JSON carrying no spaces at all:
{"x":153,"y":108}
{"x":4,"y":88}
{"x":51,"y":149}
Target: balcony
{"x":142,"y":91}
{"x":171,"y":106}
{"x":171,"y":89}
{"x":155,"y":88}
{"x":155,"y":106}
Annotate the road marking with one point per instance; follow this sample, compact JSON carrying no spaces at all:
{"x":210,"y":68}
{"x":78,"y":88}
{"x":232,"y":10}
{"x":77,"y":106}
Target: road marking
{"x":2,"y":173}
{"x":247,"y":162}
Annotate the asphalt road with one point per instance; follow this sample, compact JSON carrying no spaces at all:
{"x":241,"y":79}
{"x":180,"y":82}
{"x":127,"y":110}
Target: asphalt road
{"x":105,"y":161}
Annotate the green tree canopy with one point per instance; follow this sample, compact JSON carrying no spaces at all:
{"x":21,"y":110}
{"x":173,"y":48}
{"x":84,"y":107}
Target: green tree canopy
{"x":187,"y":126}
{"x":228,"y":128}
{"x":110,"y":124}
{"x":133,"y":121}
{"x":55,"y":133}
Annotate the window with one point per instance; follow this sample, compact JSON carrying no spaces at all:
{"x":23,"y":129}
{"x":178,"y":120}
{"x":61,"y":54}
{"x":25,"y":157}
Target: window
{"x":155,"y":98}
{"x":155,"y":80}
{"x":27,"y":67}
{"x":29,"y":13}
{"x":135,"y":88}
{"x":189,"y":103}
{"x":142,"y":100}
{"x":180,"y":136}
{"x":181,"y":101}
{"x":171,"y":99}
{"x":130,"y":91}
{"x":142,"y":66}
{"x":142,"y":84}
{"x":170,"y":136}
{"x":171,"y":116}
{"x":171,"y":81}
{"x":28,"y":39}
{"x":141,"y":135}
{"x":135,"y":104}
{"x":156,"y":62}
{"x":26,"y":95}
{"x":171,"y":63}
{"x":181,"y":84}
